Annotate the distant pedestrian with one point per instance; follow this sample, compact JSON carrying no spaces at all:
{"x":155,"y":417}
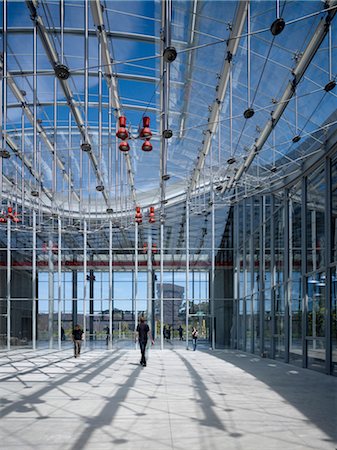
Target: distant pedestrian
{"x":142,"y":334}
{"x":180,"y":331}
{"x":63,"y":335}
{"x":107,"y":330}
{"x":77,"y":336}
{"x":194,"y":338}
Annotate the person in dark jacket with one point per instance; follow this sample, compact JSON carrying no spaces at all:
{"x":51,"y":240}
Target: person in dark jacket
{"x":77,"y":335}
{"x":142,"y":334}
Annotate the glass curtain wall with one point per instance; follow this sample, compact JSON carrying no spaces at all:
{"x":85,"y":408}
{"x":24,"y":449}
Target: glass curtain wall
{"x":285,"y":255}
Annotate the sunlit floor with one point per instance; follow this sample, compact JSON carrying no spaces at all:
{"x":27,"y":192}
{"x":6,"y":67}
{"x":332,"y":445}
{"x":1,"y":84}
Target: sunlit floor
{"x":181,"y":400}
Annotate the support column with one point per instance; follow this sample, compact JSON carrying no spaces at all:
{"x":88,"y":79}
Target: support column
{"x":212,"y":272}
{"x":59,"y":284}
{"x":304,"y":268}
{"x":8,"y":290}
{"x":262,"y":263}
{"x":50,"y":292}
{"x":34,"y":324}
{"x":110,"y":288}
{"x":252,"y":275}
{"x":286,"y":277}
{"x":149,"y":279}
{"x":135,"y":281}
{"x":328,"y":252}
{"x":85,"y":281}
{"x":161,"y":284}
{"x":272,"y":276}
{"x":187,"y":269}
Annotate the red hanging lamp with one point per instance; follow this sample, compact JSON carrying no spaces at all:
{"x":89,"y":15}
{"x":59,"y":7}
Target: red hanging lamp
{"x":122,"y":132}
{"x":152,"y":218}
{"x":145,"y":132}
{"x":124,"y":146}
{"x":138,"y":216}
{"x":147,"y":146}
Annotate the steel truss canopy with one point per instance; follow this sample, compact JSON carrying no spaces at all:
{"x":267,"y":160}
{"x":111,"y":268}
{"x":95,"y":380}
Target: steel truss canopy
{"x":238,"y":101}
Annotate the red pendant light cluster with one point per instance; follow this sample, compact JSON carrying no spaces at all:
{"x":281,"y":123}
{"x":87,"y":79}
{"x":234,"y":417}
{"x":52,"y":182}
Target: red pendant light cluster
{"x":138,"y":216}
{"x":54,"y":248}
{"x":152,"y":218}
{"x":145,"y":133}
{"x":154,"y":249}
{"x":9,"y":215}
{"x":123,"y":135}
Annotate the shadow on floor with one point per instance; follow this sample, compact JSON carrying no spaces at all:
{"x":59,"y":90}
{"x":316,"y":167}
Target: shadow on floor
{"x":311,"y":393}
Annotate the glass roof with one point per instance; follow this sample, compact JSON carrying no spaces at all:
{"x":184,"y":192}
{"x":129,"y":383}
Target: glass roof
{"x":228,"y":61}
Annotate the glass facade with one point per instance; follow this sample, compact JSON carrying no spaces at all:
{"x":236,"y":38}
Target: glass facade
{"x":289,"y":242}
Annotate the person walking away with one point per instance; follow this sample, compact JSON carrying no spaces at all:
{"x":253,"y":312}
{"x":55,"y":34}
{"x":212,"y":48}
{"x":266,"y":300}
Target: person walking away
{"x":180,"y":331}
{"x":77,"y":335}
{"x":142,"y":334}
{"x":194,"y":338}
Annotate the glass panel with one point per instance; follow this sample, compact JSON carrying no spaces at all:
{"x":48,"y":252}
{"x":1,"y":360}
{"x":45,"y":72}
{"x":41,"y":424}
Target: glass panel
{"x":316,"y":354}
{"x":315,"y":220}
{"x":334,"y":319}
{"x":316,"y":306}
{"x":279,"y":322}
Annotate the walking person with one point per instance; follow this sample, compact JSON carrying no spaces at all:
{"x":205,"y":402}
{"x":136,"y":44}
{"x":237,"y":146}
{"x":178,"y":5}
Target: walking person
{"x":142,"y":334}
{"x":180,"y":331}
{"x":77,"y":335}
{"x":194,"y":338}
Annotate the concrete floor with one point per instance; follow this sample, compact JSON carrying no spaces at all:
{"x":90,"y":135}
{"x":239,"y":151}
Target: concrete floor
{"x":181,"y":400}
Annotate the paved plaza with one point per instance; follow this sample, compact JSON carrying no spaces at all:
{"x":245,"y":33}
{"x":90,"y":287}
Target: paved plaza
{"x":182,"y":400}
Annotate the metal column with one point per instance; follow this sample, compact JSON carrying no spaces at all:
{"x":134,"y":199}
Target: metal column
{"x":304,"y":246}
{"x":161,"y":285}
{"x":85,"y":281}
{"x":135,"y":281}
{"x":212,"y":271}
{"x":59,"y":287}
{"x":262,"y":262}
{"x":149,"y":279}
{"x":187,"y":267}
{"x":8,"y":290}
{"x":272,"y":276}
{"x":34,"y":283}
{"x":110,"y":288}
{"x":286,"y":277}
{"x":50,"y":291}
{"x":328,"y":297}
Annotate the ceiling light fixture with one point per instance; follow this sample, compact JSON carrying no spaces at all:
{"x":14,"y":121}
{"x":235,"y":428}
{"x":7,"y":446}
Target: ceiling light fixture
{"x":4,"y":154}
{"x":167,"y":134}
{"x":86,"y":147}
{"x":145,"y":132}
{"x":138,"y":216}
{"x":124,"y":146}
{"x":61,"y":71}
{"x":170,"y":54}
{"x":147,"y":146}
{"x":122,"y":132}
{"x":152,"y":218}
{"x":278,"y":25}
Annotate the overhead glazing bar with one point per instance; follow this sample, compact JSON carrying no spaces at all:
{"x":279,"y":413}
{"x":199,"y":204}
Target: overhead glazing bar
{"x":54,"y":60}
{"x":298,"y":72}
{"x":216,"y":107}
{"x":111,"y":78}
